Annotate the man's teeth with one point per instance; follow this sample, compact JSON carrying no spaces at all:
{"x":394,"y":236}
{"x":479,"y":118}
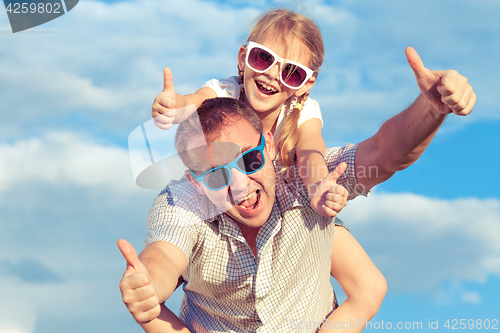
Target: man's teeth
{"x":238,"y":202}
{"x":245,"y":198}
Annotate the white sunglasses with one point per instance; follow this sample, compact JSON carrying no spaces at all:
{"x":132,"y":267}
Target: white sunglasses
{"x":292,"y":74}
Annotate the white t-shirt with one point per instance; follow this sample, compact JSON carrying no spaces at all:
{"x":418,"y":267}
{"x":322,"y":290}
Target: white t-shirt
{"x":230,"y":88}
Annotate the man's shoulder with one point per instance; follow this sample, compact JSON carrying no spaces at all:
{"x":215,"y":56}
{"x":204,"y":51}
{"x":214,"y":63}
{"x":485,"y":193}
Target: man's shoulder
{"x":178,"y":192}
{"x":180,"y":200}
{"x":177,"y":197}
{"x":333,"y":157}
{"x":293,"y":185}
{"x":342,"y":154}
{"x":177,"y":215}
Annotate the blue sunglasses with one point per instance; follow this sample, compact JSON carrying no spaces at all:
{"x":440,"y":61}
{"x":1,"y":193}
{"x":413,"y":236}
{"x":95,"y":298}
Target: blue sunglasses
{"x":249,"y":162}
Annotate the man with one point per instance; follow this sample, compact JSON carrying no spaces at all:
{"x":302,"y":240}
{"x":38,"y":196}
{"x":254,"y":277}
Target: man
{"x":239,"y":239}
{"x":254,"y":243}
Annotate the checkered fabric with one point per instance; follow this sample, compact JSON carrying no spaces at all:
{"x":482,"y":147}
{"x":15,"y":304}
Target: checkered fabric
{"x":227,"y":288}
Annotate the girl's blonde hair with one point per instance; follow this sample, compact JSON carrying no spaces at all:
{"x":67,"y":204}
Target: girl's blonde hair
{"x":287,"y":25}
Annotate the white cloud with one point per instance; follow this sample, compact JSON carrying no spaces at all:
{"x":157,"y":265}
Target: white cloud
{"x":62,"y":159}
{"x":419,"y":243}
{"x":105,"y":60}
{"x":471,"y":297}
{"x":65,"y":198}
{"x":17,"y":316}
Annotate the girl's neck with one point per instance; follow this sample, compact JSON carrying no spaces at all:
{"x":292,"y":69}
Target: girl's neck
{"x":269,"y":119}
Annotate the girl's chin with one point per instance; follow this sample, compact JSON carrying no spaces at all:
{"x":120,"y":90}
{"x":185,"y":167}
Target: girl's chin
{"x":265,"y":104}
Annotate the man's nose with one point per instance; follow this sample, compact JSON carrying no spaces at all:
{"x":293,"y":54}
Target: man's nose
{"x":239,"y":181}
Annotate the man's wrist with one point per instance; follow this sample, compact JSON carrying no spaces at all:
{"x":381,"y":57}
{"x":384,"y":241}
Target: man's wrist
{"x":432,"y":109}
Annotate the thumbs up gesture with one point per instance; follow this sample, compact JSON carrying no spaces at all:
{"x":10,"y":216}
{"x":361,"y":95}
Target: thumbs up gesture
{"x":327,"y":197}
{"x":138,"y":293}
{"x":447,"y":91}
{"x":168,"y":107}
{"x":164,"y":106}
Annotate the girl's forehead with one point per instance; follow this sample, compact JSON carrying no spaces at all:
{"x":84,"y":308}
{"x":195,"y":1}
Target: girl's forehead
{"x":289,"y":48}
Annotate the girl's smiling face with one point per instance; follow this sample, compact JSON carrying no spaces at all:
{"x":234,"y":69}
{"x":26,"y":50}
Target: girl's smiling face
{"x":264,"y":91}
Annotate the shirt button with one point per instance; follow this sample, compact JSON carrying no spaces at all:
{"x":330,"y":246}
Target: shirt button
{"x":261,"y":305}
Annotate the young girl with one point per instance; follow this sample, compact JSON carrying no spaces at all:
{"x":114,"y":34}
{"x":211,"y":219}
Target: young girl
{"x":277,"y":89}
{"x":277,"y":68}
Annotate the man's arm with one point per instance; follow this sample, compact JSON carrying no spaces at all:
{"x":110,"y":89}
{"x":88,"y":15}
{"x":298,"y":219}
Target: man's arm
{"x":165,"y":263}
{"x":403,"y":138}
{"x":150,"y":278}
{"x":362,"y":282}
{"x":167,"y":322}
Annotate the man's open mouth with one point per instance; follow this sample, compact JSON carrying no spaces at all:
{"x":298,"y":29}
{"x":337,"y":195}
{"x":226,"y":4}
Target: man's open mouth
{"x":251,"y":201}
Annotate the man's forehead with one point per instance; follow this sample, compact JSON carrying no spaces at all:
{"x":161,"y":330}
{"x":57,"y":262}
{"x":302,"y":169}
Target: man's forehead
{"x":216,"y":150}
{"x":215,"y":154}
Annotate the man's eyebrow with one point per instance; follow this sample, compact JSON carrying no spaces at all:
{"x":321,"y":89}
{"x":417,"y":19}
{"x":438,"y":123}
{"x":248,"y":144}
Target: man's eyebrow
{"x":242,"y":149}
{"x":246,"y":148}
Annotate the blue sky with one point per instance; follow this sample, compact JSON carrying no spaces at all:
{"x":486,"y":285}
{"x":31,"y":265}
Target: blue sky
{"x":72,"y":90}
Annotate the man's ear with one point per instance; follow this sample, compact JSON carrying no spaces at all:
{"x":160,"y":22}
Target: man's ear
{"x":242,"y":53}
{"x":308,"y":85}
{"x":197,"y":185}
{"x":270,"y":148}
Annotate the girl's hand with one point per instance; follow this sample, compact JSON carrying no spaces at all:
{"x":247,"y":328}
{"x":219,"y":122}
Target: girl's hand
{"x":327,"y":197}
{"x":164,"y":106}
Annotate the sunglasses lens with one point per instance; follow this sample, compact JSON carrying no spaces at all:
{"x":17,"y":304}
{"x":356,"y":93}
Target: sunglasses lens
{"x":293,"y":75}
{"x":217,"y":179}
{"x":251,"y":162}
{"x":260,"y":59}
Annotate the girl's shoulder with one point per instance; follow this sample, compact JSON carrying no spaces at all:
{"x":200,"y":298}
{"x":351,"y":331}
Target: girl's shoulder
{"x":225,"y":88}
{"x":310,"y":110}
{"x":311,"y":104}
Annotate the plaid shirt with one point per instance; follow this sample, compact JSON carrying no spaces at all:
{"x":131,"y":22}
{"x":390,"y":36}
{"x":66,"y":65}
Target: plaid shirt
{"x":227,"y":288}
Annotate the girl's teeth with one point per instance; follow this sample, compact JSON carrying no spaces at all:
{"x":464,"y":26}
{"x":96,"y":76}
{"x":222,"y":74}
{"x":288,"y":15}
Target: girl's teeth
{"x":268,"y":88}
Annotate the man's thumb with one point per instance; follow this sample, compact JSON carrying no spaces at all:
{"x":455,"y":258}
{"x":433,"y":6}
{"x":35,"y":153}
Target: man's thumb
{"x":130,"y":255}
{"x":415,"y":62}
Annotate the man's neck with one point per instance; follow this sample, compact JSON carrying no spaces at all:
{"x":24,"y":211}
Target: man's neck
{"x":250,"y":235}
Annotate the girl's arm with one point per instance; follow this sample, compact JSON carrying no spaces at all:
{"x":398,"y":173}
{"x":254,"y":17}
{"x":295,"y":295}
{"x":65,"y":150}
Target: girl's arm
{"x":363,"y":283}
{"x":166,"y":322}
{"x":326,"y":196}
{"x":171,"y":108}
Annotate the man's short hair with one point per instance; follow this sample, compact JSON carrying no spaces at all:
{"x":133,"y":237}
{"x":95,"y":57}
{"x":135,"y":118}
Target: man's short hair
{"x":207,"y":123}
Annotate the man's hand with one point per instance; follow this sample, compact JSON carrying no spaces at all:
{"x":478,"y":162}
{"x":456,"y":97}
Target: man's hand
{"x":447,"y":91}
{"x":138,"y":294}
{"x":164,"y":106}
{"x":327,"y":197}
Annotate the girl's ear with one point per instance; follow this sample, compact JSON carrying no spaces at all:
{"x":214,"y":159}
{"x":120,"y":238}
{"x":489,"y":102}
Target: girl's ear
{"x":270,"y":148}
{"x":308,"y":85}
{"x":242,"y":53}
{"x":197,"y":185}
